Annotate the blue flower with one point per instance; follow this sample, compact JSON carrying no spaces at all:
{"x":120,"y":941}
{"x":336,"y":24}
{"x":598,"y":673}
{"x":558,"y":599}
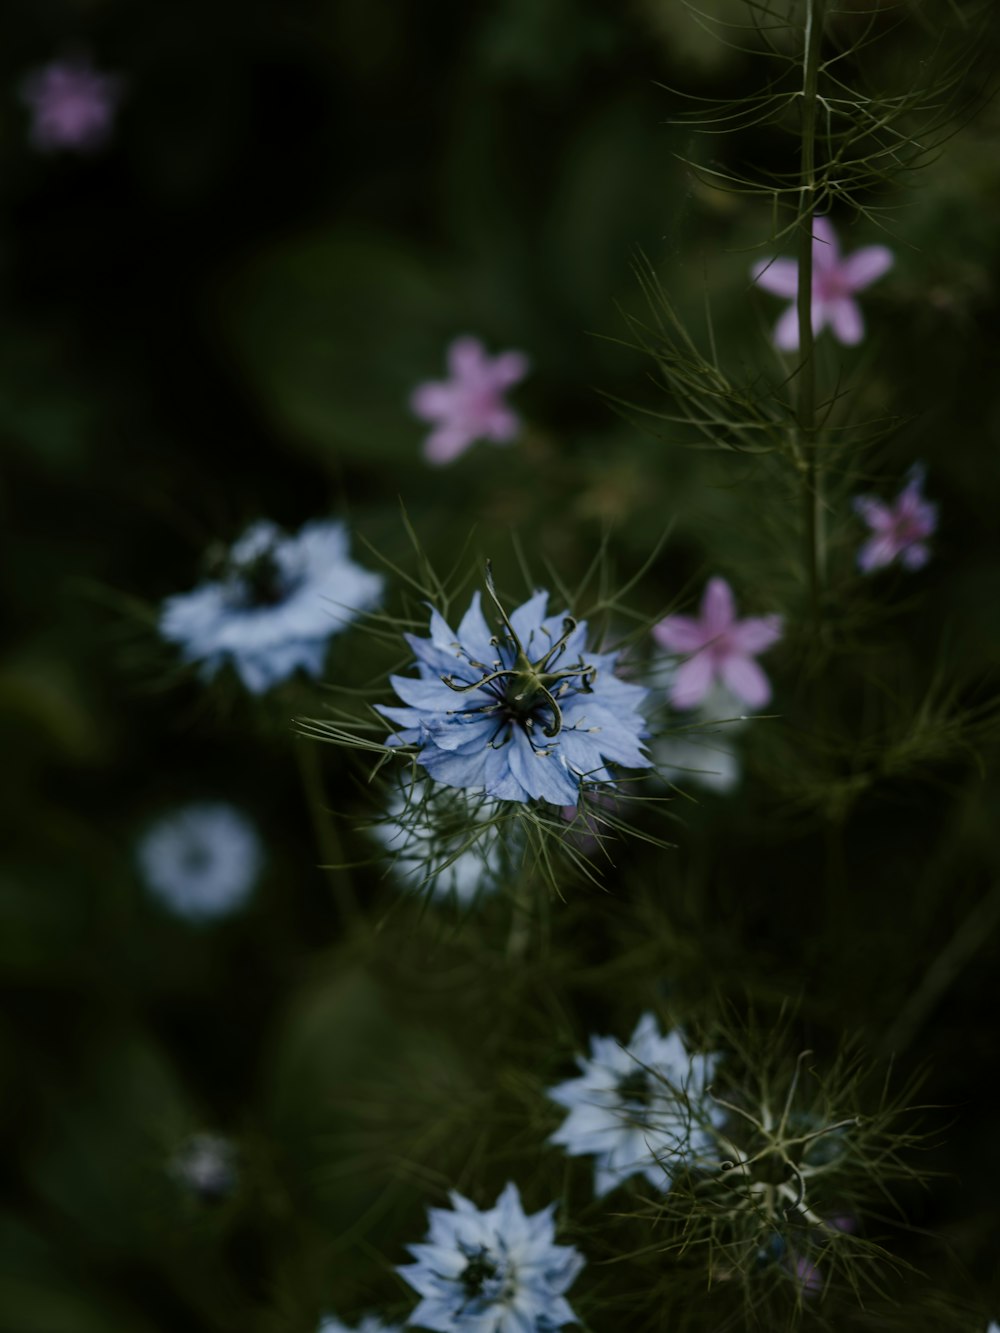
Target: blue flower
{"x":523,"y":714}
{"x":496,"y":1271}
{"x":639,"y":1109}
{"x":442,"y":842}
{"x":201,"y":861}
{"x":206,"y":1164}
{"x":275,"y":607}
{"x":369,"y":1324}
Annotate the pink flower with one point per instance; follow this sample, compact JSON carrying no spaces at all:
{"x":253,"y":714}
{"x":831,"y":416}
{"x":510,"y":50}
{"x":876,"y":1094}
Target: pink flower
{"x":72,"y":105}
{"x":899,"y":529}
{"x":809,"y":1277}
{"x":469,"y":406}
{"x":835,"y":280}
{"x":719,"y":647}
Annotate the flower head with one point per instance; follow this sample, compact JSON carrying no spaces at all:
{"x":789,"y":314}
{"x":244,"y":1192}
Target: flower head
{"x":369,"y":1324}
{"x":206,"y":1165}
{"x":836,"y":278}
{"x":469,"y":405}
{"x":718,"y":647}
{"x":432,"y":836}
{"x":201,"y":861}
{"x":523,"y":714}
{"x":640,"y":1109}
{"x":899,"y":529}
{"x":275,"y":607}
{"x":492,"y":1271}
{"x":72,"y":105}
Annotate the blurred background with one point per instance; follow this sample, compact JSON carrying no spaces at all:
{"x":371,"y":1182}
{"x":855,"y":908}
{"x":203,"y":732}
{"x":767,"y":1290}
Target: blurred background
{"x":218,"y":315}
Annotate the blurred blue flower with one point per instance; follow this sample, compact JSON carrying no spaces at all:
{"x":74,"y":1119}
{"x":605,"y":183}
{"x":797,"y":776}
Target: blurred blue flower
{"x":275,"y":607}
{"x":638,"y":1109}
{"x":202,"y":861}
{"x":441,"y":842}
{"x":496,"y":1271}
{"x":206,"y":1165}
{"x":369,"y":1324}
{"x":525,"y":713}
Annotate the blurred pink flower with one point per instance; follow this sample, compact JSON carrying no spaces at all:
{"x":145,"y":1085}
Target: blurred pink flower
{"x":718,"y":647}
{"x":835,"y":280}
{"x":809,"y":1277}
{"x":899,"y":529}
{"x":72,"y":105}
{"x":469,"y":405}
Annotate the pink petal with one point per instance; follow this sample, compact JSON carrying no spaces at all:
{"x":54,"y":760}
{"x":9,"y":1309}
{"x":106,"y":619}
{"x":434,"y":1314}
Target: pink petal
{"x":445,"y":444}
{"x":465,"y":358}
{"x":779,"y":276}
{"x":878,"y":516}
{"x":786,"y":331}
{"x":755,"y":634}
{"x":431,"y":401}
{"x":692,"y":681}
{"x":916,"y":556}
{"x":846,"y":320}
{"x":878,"y":553}
{"x":866,"y":265}
{"x":718,"y":609}
{"x":680,"y":634}
{"x":809,"y":1276}
{"x":501,"y":425}
{"x":746,"y":680}
{"x":826,"y":249}
{"x":508,"y":368}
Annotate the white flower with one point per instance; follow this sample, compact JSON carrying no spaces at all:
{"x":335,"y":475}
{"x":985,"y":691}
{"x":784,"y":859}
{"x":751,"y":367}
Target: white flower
{"x":276,"y":606}
{"x":206,"y":1164}
{"x":496,"y":1271}
{"x":703,"y":752}
{"x":703,"y":758}
{"x":431,"y":833}
{"x":202,"y":861}
{"x":369,"y":1324}
{"x":638,"y":1109}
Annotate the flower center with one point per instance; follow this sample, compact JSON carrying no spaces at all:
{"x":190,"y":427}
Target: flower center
{"x":526,"y":693}
{"x":635,"y":1088}
{"x":830,"y":286}
{"x":261,"y":581}
{"x":477,"y":1272}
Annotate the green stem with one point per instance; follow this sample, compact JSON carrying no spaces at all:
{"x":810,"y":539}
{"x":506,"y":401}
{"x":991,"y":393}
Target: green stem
{"x":805,"y":411}
{"x":307,"y":755}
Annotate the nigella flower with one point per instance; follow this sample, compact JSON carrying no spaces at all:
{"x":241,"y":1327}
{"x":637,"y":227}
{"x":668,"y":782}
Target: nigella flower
{"x":523,"y":714}
{"x":899,"y":529}
{"x":201,"y":861}
{"x":492,"y":1271}
{"x":72,"y":105}
{"x":369,"y":1324}
{"x":640,"y":1109}
{"x":275,"y":607}
{"x":442,"y":842}
{"x":718,"y":647}
{"x":469,"y":406}
{"x":836,"y":278}
{"x":206,"y":1165}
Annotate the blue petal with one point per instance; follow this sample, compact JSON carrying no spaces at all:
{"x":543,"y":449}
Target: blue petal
{"x":475,"y":633}
{"x":542,"y":775}
{"x":527,"y":622}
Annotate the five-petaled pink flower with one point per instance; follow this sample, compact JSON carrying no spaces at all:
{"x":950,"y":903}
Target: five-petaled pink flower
{"x":718,"y":647}
{"x":836,"y":278}
{"x":72,"y":105}
{"x":469,"y":406}
{"x":899,"y":529}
